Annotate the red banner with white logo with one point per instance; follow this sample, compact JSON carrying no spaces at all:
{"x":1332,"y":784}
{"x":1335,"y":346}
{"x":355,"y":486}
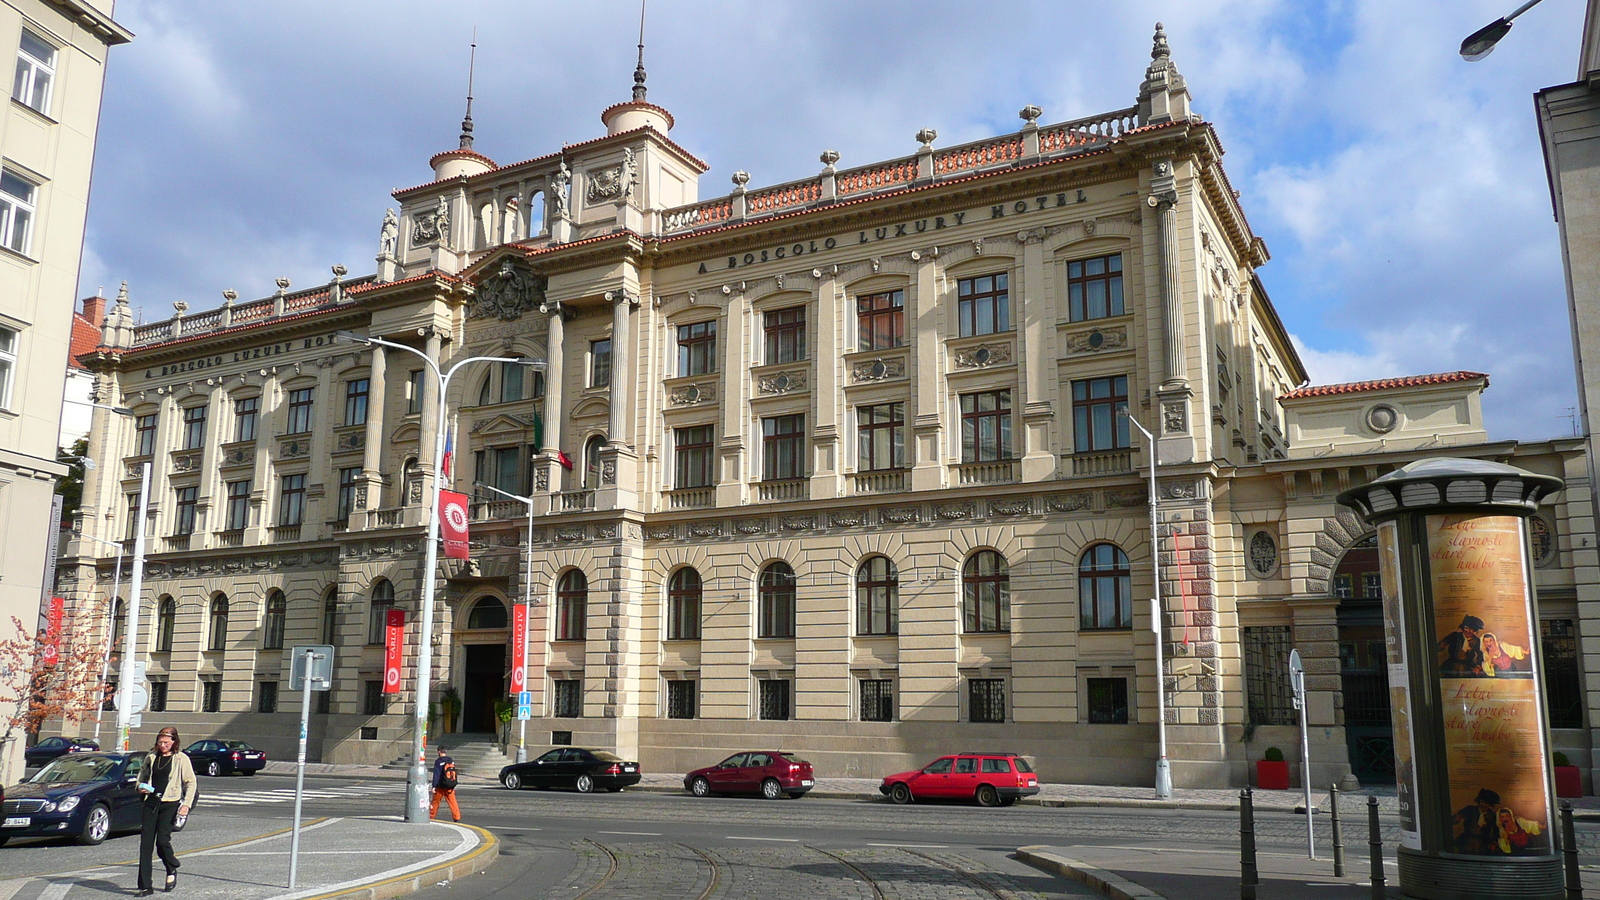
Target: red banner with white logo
{"x":394,"y":642}
{"x":51,"y":652}
{"x":519,"y":648}
{"x":453,"y":524}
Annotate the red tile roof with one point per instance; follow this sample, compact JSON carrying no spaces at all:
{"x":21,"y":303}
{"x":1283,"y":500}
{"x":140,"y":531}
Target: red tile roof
{"x":1357,"y":387}
{"x":85,"y":337}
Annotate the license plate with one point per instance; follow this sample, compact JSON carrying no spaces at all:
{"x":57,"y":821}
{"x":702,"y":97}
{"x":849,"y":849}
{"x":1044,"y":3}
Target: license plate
{"x":629,"y":769}
{"x":806,"y":783}
{"x":17,"y":822}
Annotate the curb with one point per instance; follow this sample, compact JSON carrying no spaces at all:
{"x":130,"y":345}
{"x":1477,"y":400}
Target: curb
{"x":477,"y":860}
{"x":1068,"y":803}
{"x":1112,"y":885}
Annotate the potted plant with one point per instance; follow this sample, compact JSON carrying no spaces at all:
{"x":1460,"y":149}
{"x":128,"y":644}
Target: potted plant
{"x":1272,"y":772}
{"x":449,"y":707}
{"x":1569,"y":781}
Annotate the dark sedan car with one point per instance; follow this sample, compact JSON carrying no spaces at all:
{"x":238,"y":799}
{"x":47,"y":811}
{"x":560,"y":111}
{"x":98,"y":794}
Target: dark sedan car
{"x":86,"y":795}
{"x":770,"y":773}
{"x":574,"y":767}
{"x":225,"y":757}
{"x":50,"y":748}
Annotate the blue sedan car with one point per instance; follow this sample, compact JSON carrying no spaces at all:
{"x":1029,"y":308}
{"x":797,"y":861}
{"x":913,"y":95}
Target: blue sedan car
{"x":84,"y":795}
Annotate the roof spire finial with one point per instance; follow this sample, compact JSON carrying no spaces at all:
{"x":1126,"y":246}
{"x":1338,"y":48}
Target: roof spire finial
{"x":1159,"y":48}
{"x":472,"y":65}
{"x":638,"y":73}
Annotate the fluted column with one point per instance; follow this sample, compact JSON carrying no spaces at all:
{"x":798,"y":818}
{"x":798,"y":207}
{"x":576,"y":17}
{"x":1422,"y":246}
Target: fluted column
{"x":1164,"y":198}
{"x":617,"y":461}
{"x":430,"y":405}
{"x":546,"y":472}
{"x":370,"y":495}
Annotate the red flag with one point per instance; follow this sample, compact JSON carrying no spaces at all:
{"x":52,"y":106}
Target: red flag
{"x":394,"y":639}
{"x":51,"y":653}
{"x":519,"y":648}
{"x":564,"y":460}
{"x":453,"y":524}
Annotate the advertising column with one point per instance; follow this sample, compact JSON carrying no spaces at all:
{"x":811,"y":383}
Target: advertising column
{"x":1472,"y":770}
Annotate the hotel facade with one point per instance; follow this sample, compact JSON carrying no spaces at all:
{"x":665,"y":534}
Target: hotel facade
{"x":843,"y":465}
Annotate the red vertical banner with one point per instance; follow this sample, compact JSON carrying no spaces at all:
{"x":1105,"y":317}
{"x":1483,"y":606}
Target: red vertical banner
{"x":50,"y":654}
{"x":453,"y":524}
{"x":394,"y":642}
{"x":519,"y":648}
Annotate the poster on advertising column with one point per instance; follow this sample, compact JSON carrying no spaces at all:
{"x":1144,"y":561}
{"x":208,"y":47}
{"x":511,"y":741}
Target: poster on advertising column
{"x":1394,"y":637}
{"x":1488,"y":686}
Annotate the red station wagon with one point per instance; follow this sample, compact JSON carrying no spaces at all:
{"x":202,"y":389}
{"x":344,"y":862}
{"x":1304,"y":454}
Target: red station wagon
{"x":770,"y":773}
{"x":992,"y":779}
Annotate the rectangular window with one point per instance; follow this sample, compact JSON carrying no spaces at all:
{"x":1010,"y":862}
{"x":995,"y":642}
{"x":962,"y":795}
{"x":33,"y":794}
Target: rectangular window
{"x":986,"y":426}
{"x":194,"y":427}
{"x":1563,"y":683}
{"x":880,"y":320}
{"x":132,"y":530}
{"x":681,"y":699}
{"x":1098,"y":422}
{"x":267,"y":697}
{"x":1094,"y":288}
{"x":692,"y":455}
{"x":986,"y":700}
{"x":786,"y":335}
{"x":1372,"y":585}
{"x":783,"y":444}
{"x":292,"y":500}
{"x":774,"y":699}
{"x":347,"y":493}
{"x":324,"y":702}
{"x":158,"y":695}
{"x":880,"y":437}
{"x":1343,"y":586}
{"x":8,"y":365}
{"x":510,"y":382}
{"x":374,"y":702}
{"x":16,"y":212}
{"x":984,"y":304}
{"x":600,"y":363}
{"x":1108,"y":701}
{"x":414,"y":392}
{"x":188,"y":497}
{"x":877,"y":700}
{"x":245,"y":413}
{"x":1269,"y":697}
{"x":569,"y":698}
{"x":299,"y":411}
{"x":355,"y":401}
{"x":144,"y":435}
{"x":36,"y":72}
{"x":210,"y":696}
{"x":697,"y":348}
{"x":238,"y":516}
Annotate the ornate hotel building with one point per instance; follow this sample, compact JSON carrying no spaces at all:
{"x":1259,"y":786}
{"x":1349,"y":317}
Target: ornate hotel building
{"x":849,"y":467}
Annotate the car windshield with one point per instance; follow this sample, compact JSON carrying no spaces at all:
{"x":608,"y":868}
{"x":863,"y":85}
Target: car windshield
{"x":604,"y":756}
{"x":237,"y":745}
{"x":74,"y":769}
{"x":1022,"y":764}
{"x":792,"y":758}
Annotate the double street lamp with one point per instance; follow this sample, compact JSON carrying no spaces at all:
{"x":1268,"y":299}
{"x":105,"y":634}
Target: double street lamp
{"x":417,"y":782}
{"x":527,"y":607}
{"x":1163,"y":770}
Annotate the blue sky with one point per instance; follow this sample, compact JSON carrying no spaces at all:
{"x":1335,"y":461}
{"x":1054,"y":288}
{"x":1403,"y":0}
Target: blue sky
{"x":1400,"y":190}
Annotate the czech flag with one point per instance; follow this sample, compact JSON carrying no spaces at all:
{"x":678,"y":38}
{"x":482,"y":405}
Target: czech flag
{"x":449,"y":451}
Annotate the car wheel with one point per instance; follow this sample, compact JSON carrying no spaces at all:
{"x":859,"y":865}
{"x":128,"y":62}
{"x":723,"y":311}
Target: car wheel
{"x":796,"y":795}
{"x":1008,"y":801}
{"x":512,"y":781}
{"x":213,"y":768}
{"x":700,"y":787}
{"x":770,"y":789}
{"x":900,"y":793}
{"x":584,"y":784}
{"x":96,"y":826}
{"x":987,"y":795}
{"x":615,"y":790}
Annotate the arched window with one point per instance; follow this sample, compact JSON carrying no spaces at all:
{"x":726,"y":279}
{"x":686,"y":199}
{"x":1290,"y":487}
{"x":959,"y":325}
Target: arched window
{"x":219,"y":623}
{"x":1105,"y":596}
{"x":487,"y":613}
{"x":330,"y":616}
{"x":166,"y":623}
{"x":683,"y":606}
{"x":986,"y":593}
{"x":272,"y":625}
{"x":572,"y":606}
{"x":534,"y":215}
{"x":486,"y":392}
{"x":591,"y":461}
{"x":777,"y":598}
{"x":877,"y":597}
{"x":378,"y":610}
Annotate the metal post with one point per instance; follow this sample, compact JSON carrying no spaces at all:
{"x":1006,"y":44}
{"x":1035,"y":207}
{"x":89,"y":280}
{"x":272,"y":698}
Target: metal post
{"x":131,"y":633}
{"x":1297,"y":675}
{"x":527,"y":631}
{"x":1157,"y":625}
{"x":300,"y":771}
{"x":1375,"y":848}
{"x":1249,"y":875}
{"x":1569,"y":852}
{"x":111,"y":633}
{"x":1338,"y":833}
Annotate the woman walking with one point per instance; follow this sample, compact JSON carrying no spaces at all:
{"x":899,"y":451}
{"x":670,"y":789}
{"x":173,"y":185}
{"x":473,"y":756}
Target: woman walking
{"x":168,"y":785}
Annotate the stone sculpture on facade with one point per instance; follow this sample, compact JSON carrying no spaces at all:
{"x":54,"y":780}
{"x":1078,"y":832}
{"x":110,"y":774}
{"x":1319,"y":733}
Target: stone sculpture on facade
{"x":389,"y":235}
{"x":508,"y":292}
{"x":559,"y":181}
{"x":433,"y":226}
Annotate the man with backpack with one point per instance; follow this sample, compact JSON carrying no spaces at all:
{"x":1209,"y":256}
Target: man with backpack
{"x":444,"y":785}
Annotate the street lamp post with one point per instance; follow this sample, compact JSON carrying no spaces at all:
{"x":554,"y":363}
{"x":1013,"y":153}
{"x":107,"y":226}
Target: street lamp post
{"x":1481,"y":43}
{"x":130,"y":634}
{"x":416,"y":779}
{"x":111,"y":628}
{"x":527,"y":604}
{"x":1163,"y":769}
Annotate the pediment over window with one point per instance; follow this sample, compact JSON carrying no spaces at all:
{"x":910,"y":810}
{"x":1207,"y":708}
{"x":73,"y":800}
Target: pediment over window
{"x":594,"y":406}
{"x":504,"y":423}
{"x":407,"y":433}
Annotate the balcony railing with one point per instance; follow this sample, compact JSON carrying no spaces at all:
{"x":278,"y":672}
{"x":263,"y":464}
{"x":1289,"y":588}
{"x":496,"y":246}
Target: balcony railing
{"x":489,"y":510}
{"x":178,"y":542}
{"x":576,"y":500}
{"x":285,"y":533}
{"x":692,"y":498}
{"x":230,"y":538}
{"x":779,"y":491}
{"x":388,"y":518}
{"x":885,"y":482}
{"x":1000,"y":471}
{"x":1102,"y":462}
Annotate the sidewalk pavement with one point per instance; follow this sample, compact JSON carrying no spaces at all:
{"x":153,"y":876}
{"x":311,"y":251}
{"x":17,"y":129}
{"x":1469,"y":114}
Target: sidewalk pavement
{"x":244,"y":858}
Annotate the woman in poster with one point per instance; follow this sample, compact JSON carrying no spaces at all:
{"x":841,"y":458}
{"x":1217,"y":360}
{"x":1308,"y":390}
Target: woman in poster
{"x":1516,"y":832}
{"x":1502,"y":659}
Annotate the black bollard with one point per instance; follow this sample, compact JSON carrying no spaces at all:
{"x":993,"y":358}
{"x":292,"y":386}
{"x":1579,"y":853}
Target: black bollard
{"x":1248,"y":876}
{"x":1375,"y":848}
{"x":1338,"y":834}
{"x":1569,"y":853}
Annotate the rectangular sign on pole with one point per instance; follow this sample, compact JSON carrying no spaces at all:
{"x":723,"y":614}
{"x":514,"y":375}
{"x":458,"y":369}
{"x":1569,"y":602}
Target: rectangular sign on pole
{"x":394,"y":644}
{"x":320,"y":663}
{"x":453,"y":524}
{"x":525,"y":705}
{"x":519,"y":648}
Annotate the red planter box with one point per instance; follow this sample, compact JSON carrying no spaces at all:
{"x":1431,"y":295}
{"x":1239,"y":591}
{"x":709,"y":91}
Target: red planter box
{"x":1272,"y":776}
{"x":1569,"y":783}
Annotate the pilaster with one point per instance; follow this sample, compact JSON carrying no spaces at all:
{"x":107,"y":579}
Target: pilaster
{"x":369,"y":494}
{"x":1040,"y":378}
{"x":927,"y":409}
{"x":731,"y":449}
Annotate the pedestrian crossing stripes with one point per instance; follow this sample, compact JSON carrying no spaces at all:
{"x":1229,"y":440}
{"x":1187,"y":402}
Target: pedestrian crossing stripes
{"x":286,"y":795}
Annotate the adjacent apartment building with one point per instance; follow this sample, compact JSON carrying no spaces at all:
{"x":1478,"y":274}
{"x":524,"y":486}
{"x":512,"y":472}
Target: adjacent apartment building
{"x":850,"y":465}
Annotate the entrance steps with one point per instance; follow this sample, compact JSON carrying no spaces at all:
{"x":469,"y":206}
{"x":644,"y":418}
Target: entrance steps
{"x":475,"y":754}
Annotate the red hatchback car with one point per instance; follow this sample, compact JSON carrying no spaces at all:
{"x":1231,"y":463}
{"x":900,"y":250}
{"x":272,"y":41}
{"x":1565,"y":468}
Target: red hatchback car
{"x":770,"y":773}
{"x":992,"y":779}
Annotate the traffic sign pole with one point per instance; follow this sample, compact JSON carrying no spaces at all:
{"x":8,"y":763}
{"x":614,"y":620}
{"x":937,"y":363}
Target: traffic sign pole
{"x":1297,"y":677}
